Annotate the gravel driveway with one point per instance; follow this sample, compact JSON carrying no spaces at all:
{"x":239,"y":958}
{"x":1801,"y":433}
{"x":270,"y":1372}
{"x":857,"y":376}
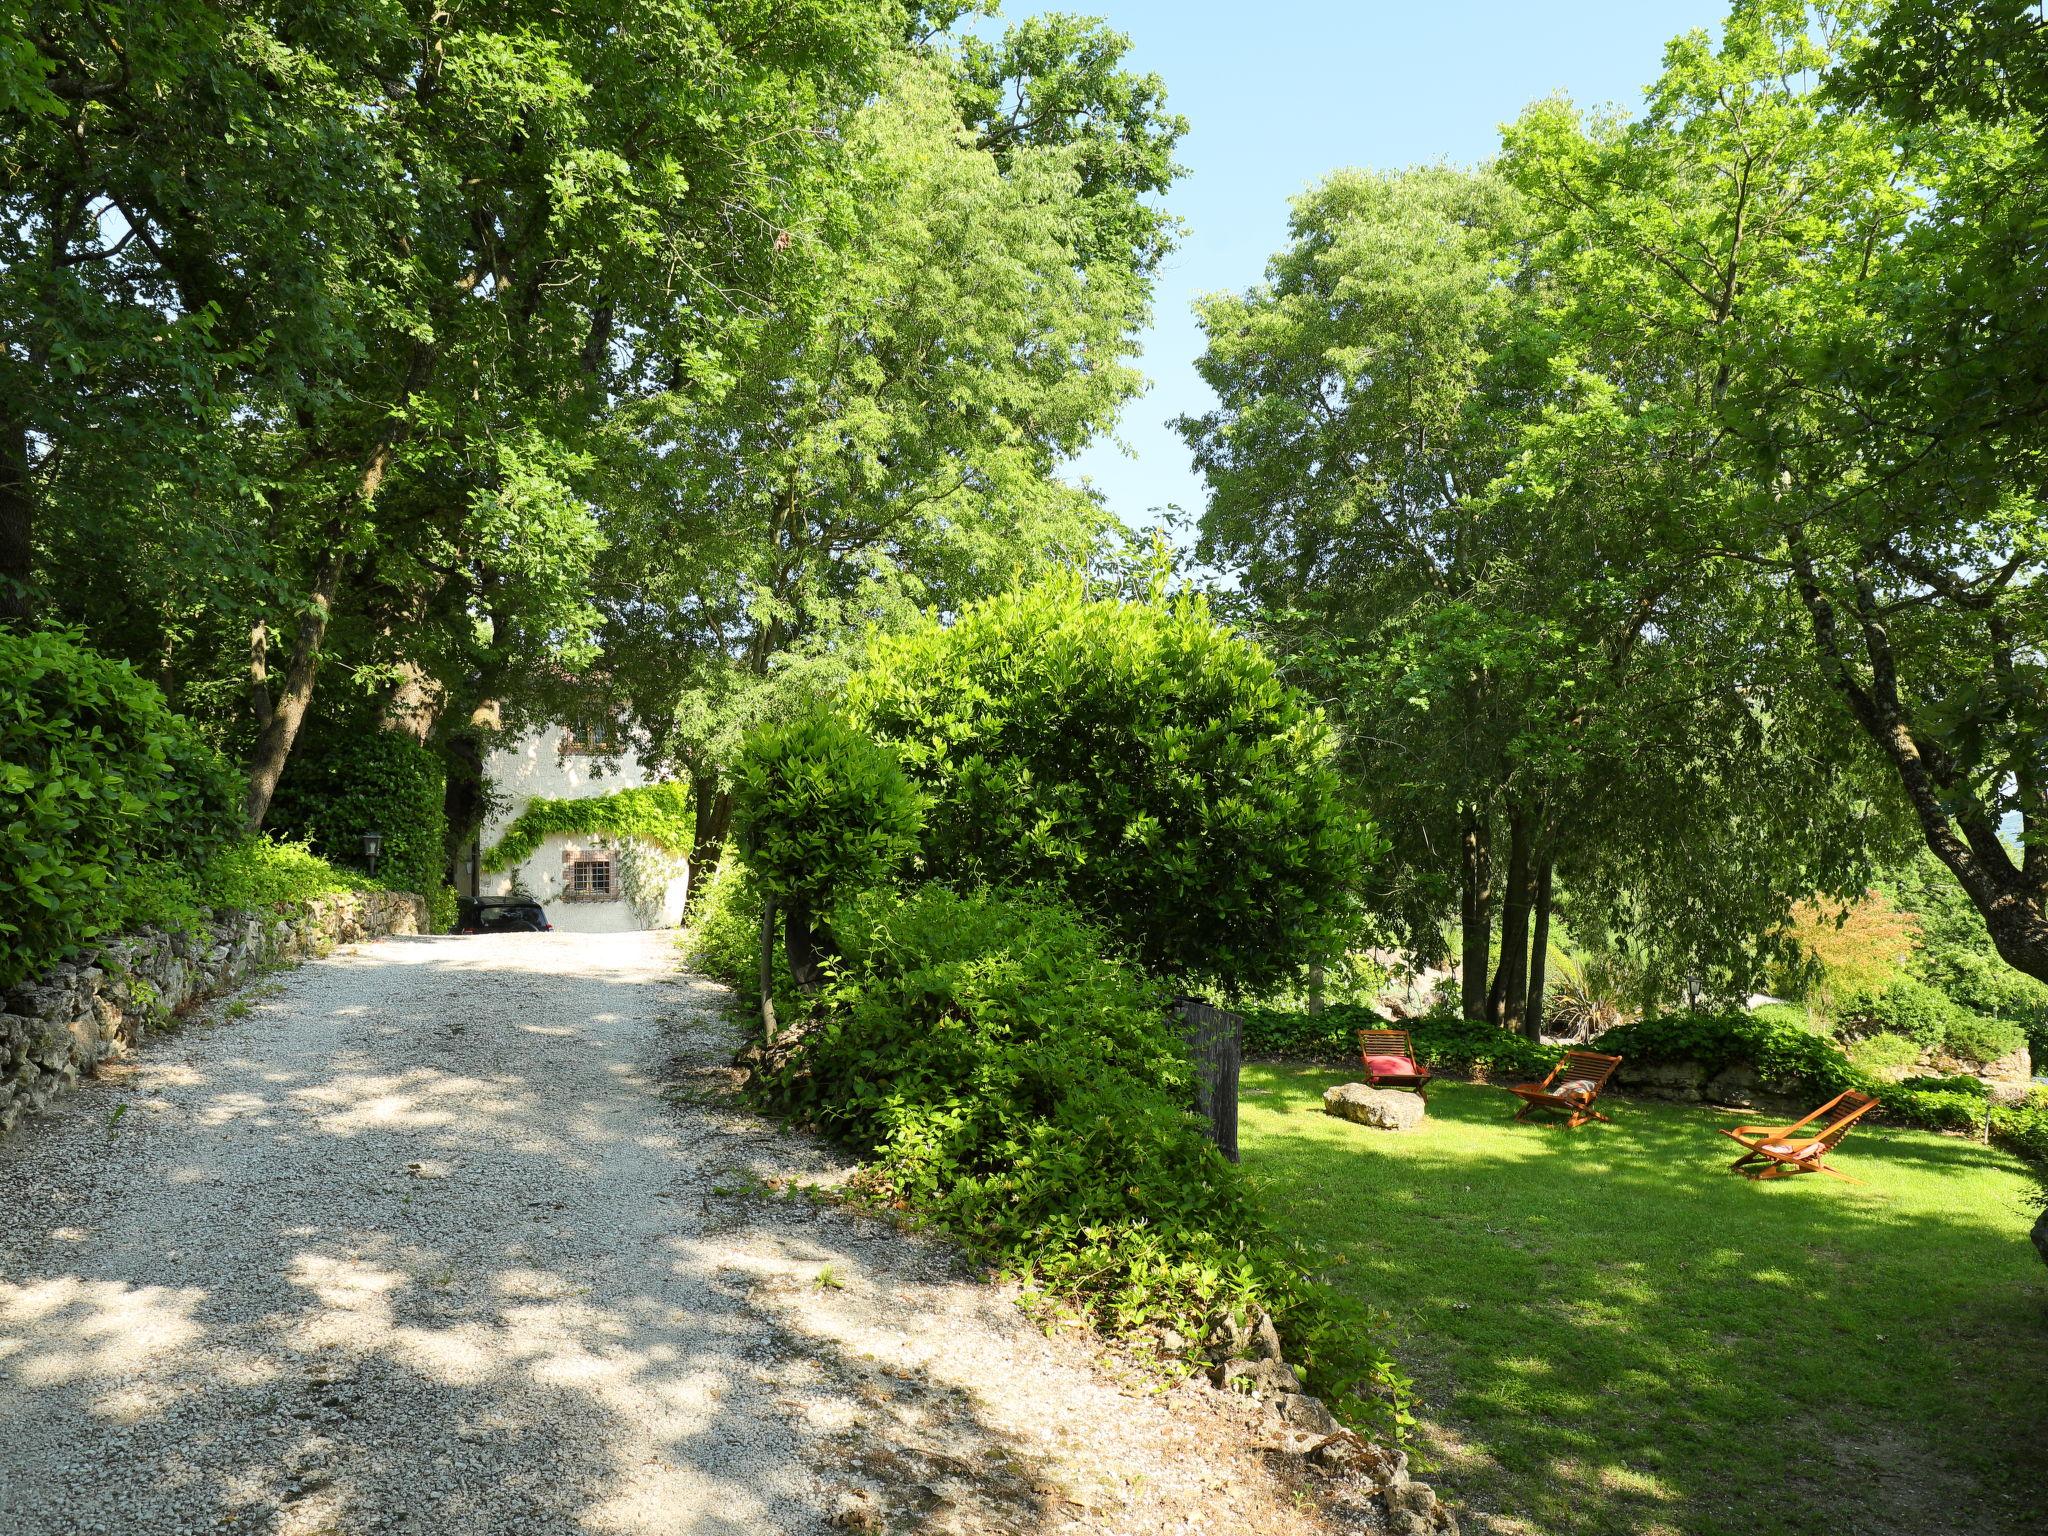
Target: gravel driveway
{"x":466,"y":1235}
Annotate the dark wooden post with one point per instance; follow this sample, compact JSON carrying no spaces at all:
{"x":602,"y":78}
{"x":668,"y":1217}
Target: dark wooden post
{"x":1216,"y":1038}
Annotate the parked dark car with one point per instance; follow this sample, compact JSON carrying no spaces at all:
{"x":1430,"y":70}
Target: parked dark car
{"x":501,"y":914}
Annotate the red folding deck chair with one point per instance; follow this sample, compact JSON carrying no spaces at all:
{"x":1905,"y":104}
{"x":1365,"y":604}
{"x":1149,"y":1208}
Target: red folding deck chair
{"x":1389,"y":1057}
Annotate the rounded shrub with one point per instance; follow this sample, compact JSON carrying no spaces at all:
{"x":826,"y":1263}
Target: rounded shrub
{"x":1138,"y":758}
{"x":1973,"y":1037}
{"x":98,"y":778}
{"x":1904,"y":1006}
{"x":821,"y":809}
{"x":341,"y":786}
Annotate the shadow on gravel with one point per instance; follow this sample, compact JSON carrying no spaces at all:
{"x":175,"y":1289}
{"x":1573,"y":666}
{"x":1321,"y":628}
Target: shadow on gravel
{"x":297,"y":1285}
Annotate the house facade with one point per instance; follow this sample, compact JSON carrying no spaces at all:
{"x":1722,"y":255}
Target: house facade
{"x":589,"y":881}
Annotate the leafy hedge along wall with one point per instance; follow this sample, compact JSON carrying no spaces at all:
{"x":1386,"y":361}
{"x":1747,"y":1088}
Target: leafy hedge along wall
{"x":652,"y":815}
{"x":338,"y":788}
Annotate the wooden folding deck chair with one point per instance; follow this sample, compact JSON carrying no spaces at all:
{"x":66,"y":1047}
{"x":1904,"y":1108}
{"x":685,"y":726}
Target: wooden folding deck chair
{"x":1389,"y":1057}
{"x":1779,"y":1151}
{"x":1574,"y":1083}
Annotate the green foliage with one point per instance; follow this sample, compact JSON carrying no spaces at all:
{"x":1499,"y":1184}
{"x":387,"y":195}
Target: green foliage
{"x":1956,"y":956}
{"x":723,"y":939}
{"x":250,"y":874}
{"x":1972,"y":1037}
{"x":1939,"y":1104}
{"x":1906,"y":1006}
{"x":1786,"y":1056}
{"x":342,"y":786}
{"x":1009,"y":1079}
{"x":822,"y":811}
{"x":2023,"y":1128}
{"x":97,"y":780}
{"x":655,"y":813}
{"x":1447,"y":1042}
{"x":1884,"y":1051}
{"x":1444,"y":1042}
{"x":1138,"y":758}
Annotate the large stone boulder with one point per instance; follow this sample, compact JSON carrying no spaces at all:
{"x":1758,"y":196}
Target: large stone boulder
{"x":1386,"y":1109}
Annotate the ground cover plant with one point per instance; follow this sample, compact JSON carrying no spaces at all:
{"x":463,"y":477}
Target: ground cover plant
{"x":1007,"y":1077}
{"x":1612,"y":1335}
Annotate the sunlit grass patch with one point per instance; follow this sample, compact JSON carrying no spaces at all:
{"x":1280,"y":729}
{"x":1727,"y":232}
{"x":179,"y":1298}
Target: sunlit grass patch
{"x":1615,"y":1334}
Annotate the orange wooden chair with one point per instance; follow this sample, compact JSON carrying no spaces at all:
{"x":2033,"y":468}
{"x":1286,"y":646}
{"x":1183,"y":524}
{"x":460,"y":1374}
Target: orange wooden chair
{"x":1389,"y":1057}
{"x":1574,"y":1083}
{"x":1779,"y":1152}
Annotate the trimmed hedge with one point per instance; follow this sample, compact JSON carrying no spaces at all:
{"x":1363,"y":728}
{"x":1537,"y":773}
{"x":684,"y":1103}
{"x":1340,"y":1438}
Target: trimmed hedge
{"x":1444,"y":1042}
{"x":336,"y":789}
{"x":1008,"y":1078}
{"x":98,"y":781}
{"x":1785,"y":1055}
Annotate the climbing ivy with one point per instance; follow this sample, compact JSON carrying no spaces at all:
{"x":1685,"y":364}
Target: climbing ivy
{"x":657,"y":813}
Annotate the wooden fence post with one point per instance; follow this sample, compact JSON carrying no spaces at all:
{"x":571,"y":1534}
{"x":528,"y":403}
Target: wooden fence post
{"x":1215,"y":1036}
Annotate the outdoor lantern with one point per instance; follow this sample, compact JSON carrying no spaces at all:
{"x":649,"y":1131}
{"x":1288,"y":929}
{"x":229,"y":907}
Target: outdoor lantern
{"x":373,"y":844}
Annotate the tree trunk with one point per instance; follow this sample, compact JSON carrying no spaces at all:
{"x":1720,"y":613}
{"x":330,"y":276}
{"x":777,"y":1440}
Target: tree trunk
{"x":17,"y":523}
{"x":463,"y":802}
{"x":806,"y":952}
{"x":768,"y":1030}
{"x":713,"y":808}
{"x":1475,"y":913}
{"x":275,"y":741}
{"x":259,"y":673}
{"x":1315,"y":986}
{"x":1505,"y":1002}
{"x":1539,"y":954}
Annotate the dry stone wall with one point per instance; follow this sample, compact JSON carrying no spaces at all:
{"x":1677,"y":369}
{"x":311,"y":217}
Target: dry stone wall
{"x":63,"y":1024}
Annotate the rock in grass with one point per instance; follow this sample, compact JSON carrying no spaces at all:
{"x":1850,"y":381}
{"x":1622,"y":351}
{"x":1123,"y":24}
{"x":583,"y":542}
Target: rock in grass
{"x":1387,"y":1109}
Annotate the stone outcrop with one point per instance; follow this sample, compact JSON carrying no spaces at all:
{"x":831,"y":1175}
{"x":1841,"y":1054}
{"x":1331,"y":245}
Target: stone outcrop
{"x":1386,"y":1109}
{"x":1291,"y":1422}
{"x":61,"y":1025}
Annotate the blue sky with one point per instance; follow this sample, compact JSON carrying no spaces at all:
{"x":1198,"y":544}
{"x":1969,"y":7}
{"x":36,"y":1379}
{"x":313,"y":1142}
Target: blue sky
{"x":1280,"y":92}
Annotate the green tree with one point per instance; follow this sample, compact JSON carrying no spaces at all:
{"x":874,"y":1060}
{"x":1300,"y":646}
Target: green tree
{"x":955,"y":313}
{"x":388,"y":274}
{"x":1820,"y":315}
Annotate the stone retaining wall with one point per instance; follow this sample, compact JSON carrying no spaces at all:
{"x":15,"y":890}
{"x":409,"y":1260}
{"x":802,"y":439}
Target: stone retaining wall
{"x":62,"y":1024}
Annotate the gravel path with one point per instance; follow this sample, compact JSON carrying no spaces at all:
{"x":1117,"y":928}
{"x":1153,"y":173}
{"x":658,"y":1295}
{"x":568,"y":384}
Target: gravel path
{"x":459,"y":1236}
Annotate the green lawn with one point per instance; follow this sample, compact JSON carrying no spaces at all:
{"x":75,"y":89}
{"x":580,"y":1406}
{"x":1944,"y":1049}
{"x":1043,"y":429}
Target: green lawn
{"x":1612,"y":1333}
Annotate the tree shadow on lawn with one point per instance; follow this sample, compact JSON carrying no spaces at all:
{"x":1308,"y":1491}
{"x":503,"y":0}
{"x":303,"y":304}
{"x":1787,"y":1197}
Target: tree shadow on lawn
{"x":1614,"y":1333}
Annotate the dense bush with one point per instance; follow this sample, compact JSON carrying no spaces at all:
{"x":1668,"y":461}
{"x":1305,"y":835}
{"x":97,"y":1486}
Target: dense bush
{"x":1138,"y":758}
{"x":1905,"y":1006}
{"x":2023,"y":1128}
{"x":1938,"y":1103}
{"x":1445,"y":1042}
{"x":97,"y":780}
{"x":1007,"y":1077}
{"x":251,"y":874}
{"x":1956,"y":956}
{"x":1973,"y":1037}
{"x":821,"y":809}
{"x":1884,"y":1051}
{"x":340,"y":786}
{"x":1785,"y":1055}
{"x":723,"y":939}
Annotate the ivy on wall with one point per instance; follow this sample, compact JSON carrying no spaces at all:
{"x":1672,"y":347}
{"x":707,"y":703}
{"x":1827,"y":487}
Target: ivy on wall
{"x":657,"y":813}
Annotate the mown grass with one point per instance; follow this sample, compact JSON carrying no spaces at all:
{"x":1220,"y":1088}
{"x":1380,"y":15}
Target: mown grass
{"x":1613,"y":1333}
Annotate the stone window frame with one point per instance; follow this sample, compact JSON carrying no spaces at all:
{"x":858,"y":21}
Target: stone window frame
{"x":606,"y":859}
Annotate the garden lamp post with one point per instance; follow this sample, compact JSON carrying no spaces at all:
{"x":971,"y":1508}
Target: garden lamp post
{"x":373,"y":844}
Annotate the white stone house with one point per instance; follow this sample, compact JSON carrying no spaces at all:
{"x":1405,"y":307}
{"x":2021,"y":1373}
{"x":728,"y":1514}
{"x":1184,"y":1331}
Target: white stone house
{"x":589,"y":882}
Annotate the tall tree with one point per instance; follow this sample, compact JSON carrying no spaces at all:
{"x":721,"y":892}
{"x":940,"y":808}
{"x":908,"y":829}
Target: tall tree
{"x":1831,"y":315}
